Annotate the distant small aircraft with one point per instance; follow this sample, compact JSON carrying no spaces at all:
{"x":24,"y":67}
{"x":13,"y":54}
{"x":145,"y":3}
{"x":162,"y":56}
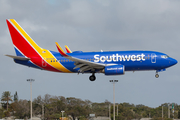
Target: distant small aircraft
{"x":28,"y":53}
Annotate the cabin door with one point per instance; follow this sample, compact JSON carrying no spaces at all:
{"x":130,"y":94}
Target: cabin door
{"x":153,"y":58}
{"x":44,"y":64}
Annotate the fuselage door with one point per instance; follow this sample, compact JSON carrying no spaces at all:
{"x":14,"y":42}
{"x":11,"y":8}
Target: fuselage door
{"x":153,"y":58}
{"x":44,"y":64}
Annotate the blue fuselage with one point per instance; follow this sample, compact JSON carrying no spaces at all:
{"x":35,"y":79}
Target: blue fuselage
{"x":132,"y":60}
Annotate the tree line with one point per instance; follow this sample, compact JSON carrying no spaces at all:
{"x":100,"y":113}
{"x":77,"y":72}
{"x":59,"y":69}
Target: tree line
{"x":49,"y":107}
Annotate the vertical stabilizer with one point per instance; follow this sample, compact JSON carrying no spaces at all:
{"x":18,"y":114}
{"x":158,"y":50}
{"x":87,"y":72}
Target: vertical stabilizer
{"x":27,"y":49}
{"x":23,"y":43}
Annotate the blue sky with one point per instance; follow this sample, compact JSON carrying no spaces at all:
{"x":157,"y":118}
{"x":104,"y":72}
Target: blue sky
{"x":94,"y":25}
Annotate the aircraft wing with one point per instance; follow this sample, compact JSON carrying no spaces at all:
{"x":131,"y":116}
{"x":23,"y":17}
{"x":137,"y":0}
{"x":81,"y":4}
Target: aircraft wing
{"x":84,"y":65}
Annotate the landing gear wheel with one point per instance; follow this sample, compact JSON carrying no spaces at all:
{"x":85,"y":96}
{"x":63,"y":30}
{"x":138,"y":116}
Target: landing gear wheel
{"x":92,"y":78}
{"x":157,"y":75}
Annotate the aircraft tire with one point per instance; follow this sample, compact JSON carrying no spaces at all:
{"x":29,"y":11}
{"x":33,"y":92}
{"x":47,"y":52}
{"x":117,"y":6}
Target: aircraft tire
{"x":92,"y":78}
{"x":157,"y":75}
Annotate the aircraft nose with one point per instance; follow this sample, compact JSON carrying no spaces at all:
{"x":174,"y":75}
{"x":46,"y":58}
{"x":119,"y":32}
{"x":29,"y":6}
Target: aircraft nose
{"x":173,"y":61}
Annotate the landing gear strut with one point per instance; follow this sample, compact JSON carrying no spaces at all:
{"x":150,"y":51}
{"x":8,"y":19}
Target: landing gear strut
{"x":92,"y":77}
{"x":157,"y":75}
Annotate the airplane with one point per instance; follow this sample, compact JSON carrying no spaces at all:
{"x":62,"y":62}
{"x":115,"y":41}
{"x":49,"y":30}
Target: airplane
{"x":28,"y":53}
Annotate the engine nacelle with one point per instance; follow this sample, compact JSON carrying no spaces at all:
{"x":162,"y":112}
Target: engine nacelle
{"x":114,"y":70}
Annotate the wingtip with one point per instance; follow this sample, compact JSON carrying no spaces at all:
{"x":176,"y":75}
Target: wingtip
{"x":67,"y":49}
{"x":60,"y":50}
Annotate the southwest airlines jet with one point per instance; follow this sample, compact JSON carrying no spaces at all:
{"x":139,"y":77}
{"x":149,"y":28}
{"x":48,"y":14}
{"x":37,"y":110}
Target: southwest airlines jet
{"x":28,"y":53}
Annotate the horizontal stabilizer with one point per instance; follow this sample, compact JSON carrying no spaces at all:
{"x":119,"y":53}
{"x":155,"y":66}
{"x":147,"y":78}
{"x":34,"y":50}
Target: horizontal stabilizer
{"x":18,"y":57}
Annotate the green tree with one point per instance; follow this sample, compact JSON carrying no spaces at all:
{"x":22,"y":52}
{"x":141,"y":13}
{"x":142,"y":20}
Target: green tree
{"x":6,"y":96}
{"x":77,"y":108}
{"x":1,"y":113}
{"x":22,"y":109}
{"x":125,"y":112}
{"x":101,"y":109}
{"x":178,"y":114}
{"x":16,"y":96}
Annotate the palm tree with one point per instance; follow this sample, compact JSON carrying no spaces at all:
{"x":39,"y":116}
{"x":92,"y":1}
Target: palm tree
{"x":6,"y":96}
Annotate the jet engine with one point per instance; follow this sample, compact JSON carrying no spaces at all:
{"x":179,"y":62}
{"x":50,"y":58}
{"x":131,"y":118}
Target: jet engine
{"x":114,"y":70}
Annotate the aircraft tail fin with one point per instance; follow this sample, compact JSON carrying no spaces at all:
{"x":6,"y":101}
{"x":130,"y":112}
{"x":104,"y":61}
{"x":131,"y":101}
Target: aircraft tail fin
{"x":23,"y":43}
{"x":28,"y":52}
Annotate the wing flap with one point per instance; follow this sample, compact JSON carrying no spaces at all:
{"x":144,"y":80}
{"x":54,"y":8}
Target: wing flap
{"x":79,"y":65}
{"x":84,"y":68}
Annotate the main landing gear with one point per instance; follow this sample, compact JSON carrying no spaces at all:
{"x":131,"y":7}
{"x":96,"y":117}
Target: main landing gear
{"x":92,"y":77}
{"x":157,"y":75}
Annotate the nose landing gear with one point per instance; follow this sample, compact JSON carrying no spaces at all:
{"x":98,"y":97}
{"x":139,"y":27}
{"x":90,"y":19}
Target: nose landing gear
{"x":157,"y":75}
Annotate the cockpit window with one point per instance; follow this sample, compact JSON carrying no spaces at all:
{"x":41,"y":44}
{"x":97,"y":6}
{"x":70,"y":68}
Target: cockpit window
{"x":164,"y":56}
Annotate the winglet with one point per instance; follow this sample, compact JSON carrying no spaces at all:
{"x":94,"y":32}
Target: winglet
{"x":67,"y":49}
{"x":61,"y":50}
